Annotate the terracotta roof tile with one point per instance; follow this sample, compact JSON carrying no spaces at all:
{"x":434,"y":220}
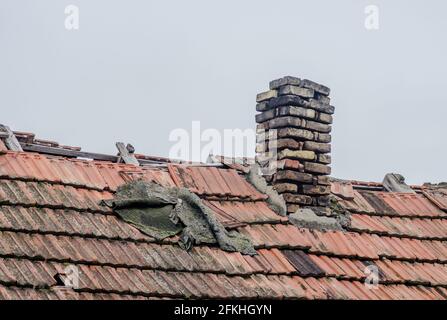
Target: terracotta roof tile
{"x":343,"y":190}
{"x":411,"y":204}
{"x":357,"y":204}
{"x":50,"y":217}
{"x":246,"y":212}
{"x":2,"y":146}
{"x":276,"y":236}
{"x":401,"y":227}
{"x":15,"y":192}
{"x":302,"y":263}
{"x":90,"y":174}
{"x":209,"y":181}
{"x":69,"y":222}
{"x":437,"y":196}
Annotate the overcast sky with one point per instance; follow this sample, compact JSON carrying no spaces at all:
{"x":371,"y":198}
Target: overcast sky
{"x":136,"y":70}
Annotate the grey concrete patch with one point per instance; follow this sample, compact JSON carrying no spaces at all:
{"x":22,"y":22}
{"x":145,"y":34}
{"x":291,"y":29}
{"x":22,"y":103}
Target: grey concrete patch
{"x":306,"y":218}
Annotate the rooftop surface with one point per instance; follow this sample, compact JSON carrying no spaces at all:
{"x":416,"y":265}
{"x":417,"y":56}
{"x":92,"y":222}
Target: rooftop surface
{"x":51,"y":218}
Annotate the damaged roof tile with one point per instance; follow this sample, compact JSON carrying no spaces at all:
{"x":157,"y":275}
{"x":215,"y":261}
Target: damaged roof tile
{"x":50,"y":217}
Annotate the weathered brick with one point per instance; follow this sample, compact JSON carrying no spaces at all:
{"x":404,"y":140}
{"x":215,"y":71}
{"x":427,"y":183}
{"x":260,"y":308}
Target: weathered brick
{"x":288,"y":144}
{"x":265,"y":116}
{"x":286,"y":187}
{"x":289,"y":164}
{"x":297,"y":198}
{"x":317,"y":146}
{"x":273,"y":145}
{"x":322,"y":98}
{"x":288,"y":100}
{"x":295,"y":133}
{"x":296,"y":154}
{"x":315,"y":190}
{"x":299,"y":91}
{"x":264,"y":135}
{"x":321,"y":201}
{"x":324,"y":180}
{"x":320,"y":106}
{"x":285,"y":122}
{"x":316,"y":126}
{"x":295,"y":111}
{"x":293,"y":121}
{"x":324,"y":158}
{"x":261,"y":147}
{"x":292,"y":208}
{"x":286,"y":164}
{"x":265,"y":158}
{"x":294,"y":176}
{"x":285,"y":111}
{"x":315,"y":86}
{"x":284,"y":81}
{"x":324,"y":117}
{"x":323,"y":137}
{"x":262,"y":106}
{"x":314,"y":167}
{"x":263,"y":96}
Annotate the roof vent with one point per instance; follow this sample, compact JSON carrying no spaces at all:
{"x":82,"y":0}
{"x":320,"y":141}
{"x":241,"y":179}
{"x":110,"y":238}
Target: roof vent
{"x":394,"y":182}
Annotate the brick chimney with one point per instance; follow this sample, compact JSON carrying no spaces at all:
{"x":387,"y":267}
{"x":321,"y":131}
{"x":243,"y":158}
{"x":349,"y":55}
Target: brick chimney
{"x":293,"y":139}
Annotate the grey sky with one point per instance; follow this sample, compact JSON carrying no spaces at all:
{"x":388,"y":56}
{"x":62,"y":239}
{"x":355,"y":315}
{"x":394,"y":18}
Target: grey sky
{"x":135,"y":70}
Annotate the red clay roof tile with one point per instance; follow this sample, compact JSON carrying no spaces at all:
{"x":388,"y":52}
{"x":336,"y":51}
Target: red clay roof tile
{"x":2,"y":146}
{"x":411,"y":204}
{"x":246,"y":212}
{"x":343,"y":190}
{"x":15,"y":192}
{"x":50,"y":216}
{"x":437,"y":196}
{"x":400,"y":227}
{"x":357,"y":204}
{"x":208,"y":181}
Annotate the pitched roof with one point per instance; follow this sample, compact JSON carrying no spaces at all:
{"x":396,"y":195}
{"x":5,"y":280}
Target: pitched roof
{"x":50,"y":217}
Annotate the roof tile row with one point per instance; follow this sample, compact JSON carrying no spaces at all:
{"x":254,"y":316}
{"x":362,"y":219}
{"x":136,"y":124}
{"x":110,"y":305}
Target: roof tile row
{"x":406,"y":227}
{"x":390,"y":271}
{"x":438,"y":196}
{"x":90,"y":174}
{"x":140,"y":255}
{"x":411,"y":204}
{"x":68,"y":222}
{"x":246,"y":212}
{"x":53,"y":195}
{"x":52,"y":217}
{"x":180,"y":284}
{"x":20,"y":293}
{"x":346,"y":244}
{"x":210,"y":181}
{"x":392,"y":204}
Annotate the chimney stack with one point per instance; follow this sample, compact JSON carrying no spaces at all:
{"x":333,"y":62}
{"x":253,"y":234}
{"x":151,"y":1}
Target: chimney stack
{"x":293,"y":139}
